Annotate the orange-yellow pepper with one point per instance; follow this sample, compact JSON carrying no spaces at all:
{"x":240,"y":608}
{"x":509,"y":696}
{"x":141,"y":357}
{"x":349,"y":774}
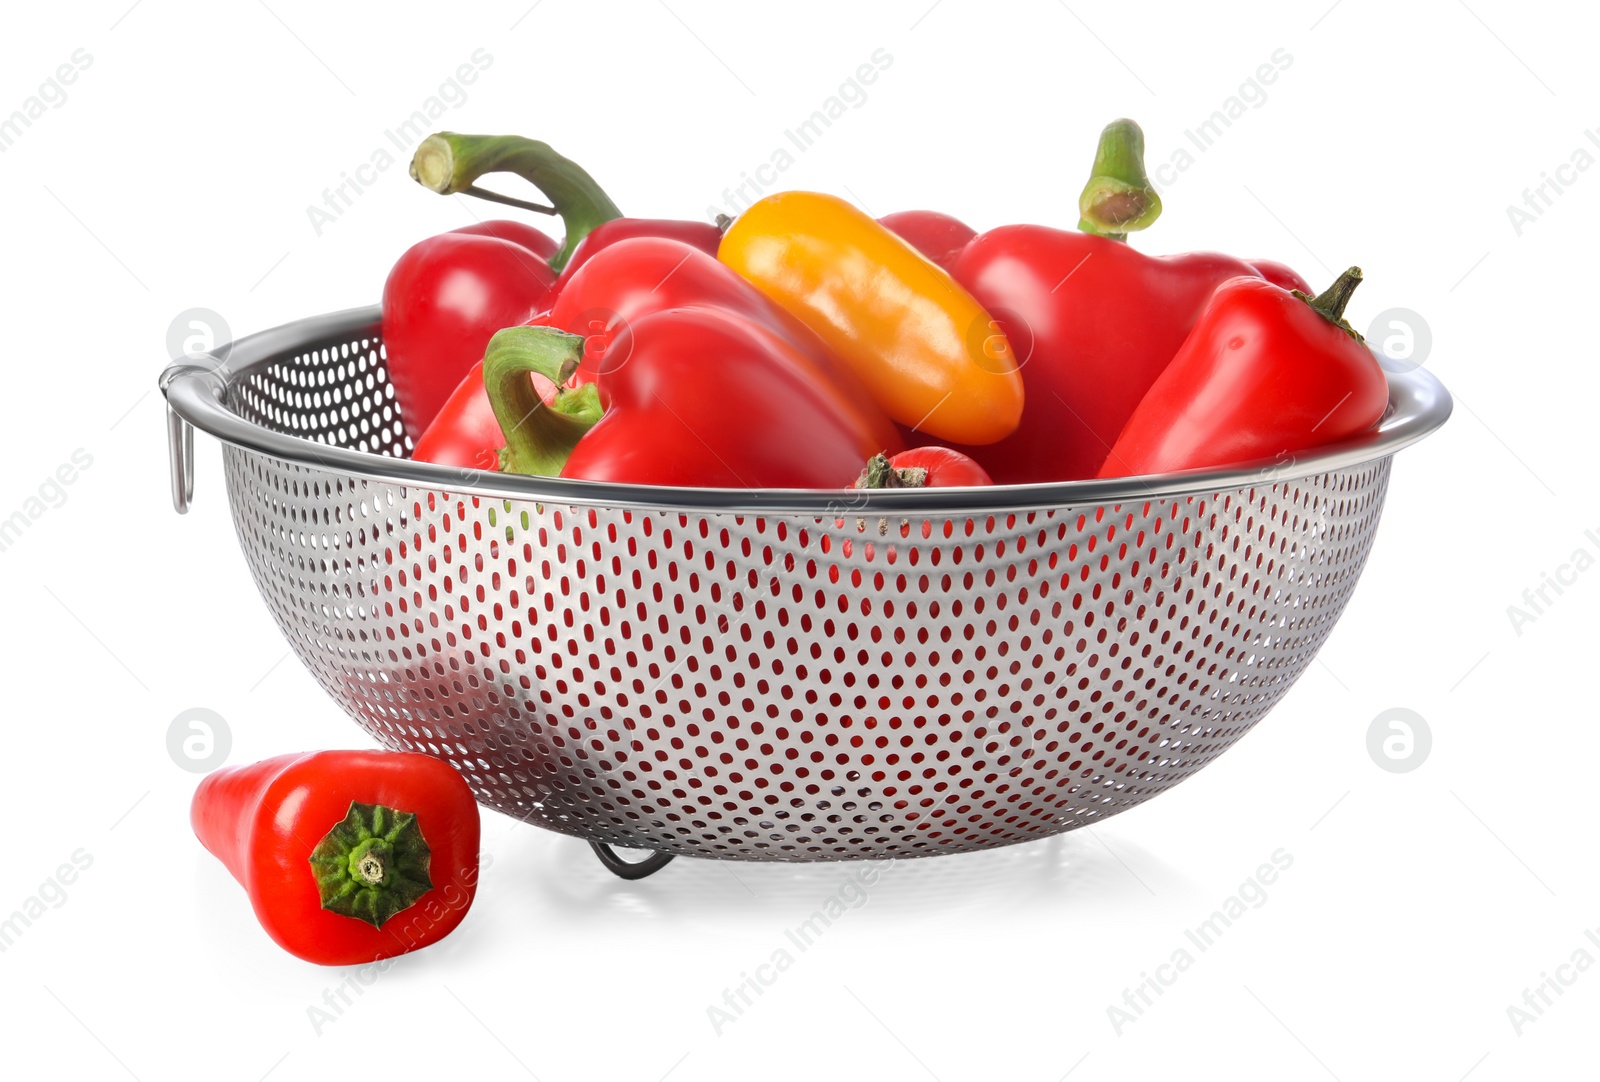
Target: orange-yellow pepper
{"x":924,"y":348}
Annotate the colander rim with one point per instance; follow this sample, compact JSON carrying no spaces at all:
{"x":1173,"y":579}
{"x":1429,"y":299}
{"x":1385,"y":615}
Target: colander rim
{"x":195,"y":390}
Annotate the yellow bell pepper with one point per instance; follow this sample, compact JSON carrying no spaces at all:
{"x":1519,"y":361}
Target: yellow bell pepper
{"x":927,"y":351}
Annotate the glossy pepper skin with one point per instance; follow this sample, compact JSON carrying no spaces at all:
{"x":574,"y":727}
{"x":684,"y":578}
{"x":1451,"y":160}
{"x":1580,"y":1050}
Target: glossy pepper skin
{"x":697,"y":397}
{"x":1093,"y":320}
{"x":448,"y":294}
{"x":1280,"y":274}
{"x":443,"y":299}
{"x":644,"y":275}
{"x":1265,"y":373}
{"x":536,"y":241}
{"x":621,"y":285}
{"x":939,"y":237}
{"x":702,"y":235}
{"x":464,"y":432}
{"x":331,"y":880}
{"x":922,"y":345}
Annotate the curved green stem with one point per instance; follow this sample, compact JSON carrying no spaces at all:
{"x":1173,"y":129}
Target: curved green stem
{"x":372,"y":864}
{"x":1330,"y":303}
{"x":538,"y":437}
{"x":448,"y":163}
{"x":1118,"y":199}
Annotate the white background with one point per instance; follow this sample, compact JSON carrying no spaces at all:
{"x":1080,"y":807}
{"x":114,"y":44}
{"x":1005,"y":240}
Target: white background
{"x":1419,"y":905}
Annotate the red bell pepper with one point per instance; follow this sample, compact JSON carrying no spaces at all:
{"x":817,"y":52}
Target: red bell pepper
{"x":635,"y":278}
{"x":1265,"y":373}
{"x":448,"y":294}
{"x":1092,"y":321}
{"x":937,"y":236}
{"x":347,"y":856}
{"x":443,"y":300}
{"x":922,"y":467}
{"x":694,"y":396}
{"x":620,"y":286}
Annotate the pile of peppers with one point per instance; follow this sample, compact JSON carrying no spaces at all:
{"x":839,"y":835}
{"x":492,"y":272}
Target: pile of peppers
{"x":806,"y":344}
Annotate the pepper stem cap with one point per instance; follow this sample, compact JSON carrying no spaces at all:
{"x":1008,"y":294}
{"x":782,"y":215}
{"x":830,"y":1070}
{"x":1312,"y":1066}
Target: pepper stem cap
{"x":881,"y":473}
{"x":539,"y":437}
{"x":1330,"y":303}
{"x":372,"y":864}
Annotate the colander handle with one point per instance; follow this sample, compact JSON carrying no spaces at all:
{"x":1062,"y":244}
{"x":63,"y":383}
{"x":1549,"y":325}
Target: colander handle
{"x":630,"y":869}
{"x":180,"y":456}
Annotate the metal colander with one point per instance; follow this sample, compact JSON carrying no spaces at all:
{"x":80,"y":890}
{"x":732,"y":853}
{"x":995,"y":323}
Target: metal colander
{"x":776,"y":675}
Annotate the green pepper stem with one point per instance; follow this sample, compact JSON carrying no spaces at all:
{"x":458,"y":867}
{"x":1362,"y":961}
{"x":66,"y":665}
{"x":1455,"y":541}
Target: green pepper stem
{"x":538,"y":437}
{"x":372,"y":864}
{"x":448,"y":163}
{"x":1330,"y":303}
{"x":1118,"y":199}
{"x":881,"y":473}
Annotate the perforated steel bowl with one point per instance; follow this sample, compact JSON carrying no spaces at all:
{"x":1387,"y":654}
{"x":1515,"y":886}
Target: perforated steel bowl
{"x":776,"y":675}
